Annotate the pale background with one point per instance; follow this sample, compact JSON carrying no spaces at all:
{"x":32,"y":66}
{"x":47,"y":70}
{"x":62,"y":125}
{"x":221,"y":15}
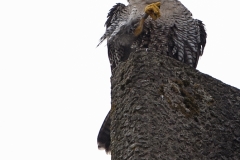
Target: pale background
{"x":55,"y":83}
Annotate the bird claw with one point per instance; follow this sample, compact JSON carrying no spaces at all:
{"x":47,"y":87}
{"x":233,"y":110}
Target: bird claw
{"x":153,"y":10}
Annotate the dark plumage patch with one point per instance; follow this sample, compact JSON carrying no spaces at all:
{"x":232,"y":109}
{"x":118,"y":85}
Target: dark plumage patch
{"x":103,"y":138}
{"x":203,"y":35}
{"x":113,"y":13}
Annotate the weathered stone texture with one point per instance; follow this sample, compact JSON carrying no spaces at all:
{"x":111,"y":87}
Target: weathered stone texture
{"x":164,"y":109}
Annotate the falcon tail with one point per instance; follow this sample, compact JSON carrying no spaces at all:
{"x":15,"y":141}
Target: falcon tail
{"x":103,"y":139}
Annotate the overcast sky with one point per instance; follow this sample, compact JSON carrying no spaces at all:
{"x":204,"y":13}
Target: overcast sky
{"x":55,"y":83}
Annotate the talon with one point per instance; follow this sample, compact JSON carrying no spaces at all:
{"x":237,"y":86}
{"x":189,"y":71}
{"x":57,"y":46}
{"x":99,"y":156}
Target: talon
{"x":153,"y":10}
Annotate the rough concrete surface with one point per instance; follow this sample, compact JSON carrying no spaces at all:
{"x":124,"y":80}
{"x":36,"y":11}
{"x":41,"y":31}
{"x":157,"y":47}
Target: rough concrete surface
{"x":164,"y":109}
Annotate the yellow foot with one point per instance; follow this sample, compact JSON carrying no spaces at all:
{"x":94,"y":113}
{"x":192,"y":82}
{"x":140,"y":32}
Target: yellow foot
{"x":139,"y":28}
{"x":153,"y":10}
{"x":150,"y":10}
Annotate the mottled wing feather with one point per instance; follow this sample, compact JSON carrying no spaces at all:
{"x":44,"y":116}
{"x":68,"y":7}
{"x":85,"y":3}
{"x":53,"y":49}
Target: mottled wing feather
{"x":113,"y":18}
{"x":114,"y":13}
{"x":189,"y":38}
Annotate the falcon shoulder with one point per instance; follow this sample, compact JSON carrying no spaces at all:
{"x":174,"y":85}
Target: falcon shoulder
{"x":113,"y":19}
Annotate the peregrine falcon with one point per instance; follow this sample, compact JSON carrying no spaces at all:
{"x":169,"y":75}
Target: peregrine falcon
{"x":163,"y":26}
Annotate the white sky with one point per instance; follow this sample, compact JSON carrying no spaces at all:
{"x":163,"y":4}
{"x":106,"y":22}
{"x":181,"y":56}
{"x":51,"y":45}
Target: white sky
{"x":55,"y":83}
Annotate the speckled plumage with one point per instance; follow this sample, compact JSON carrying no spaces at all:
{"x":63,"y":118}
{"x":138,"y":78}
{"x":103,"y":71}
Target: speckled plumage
{"x":175,"y":34}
